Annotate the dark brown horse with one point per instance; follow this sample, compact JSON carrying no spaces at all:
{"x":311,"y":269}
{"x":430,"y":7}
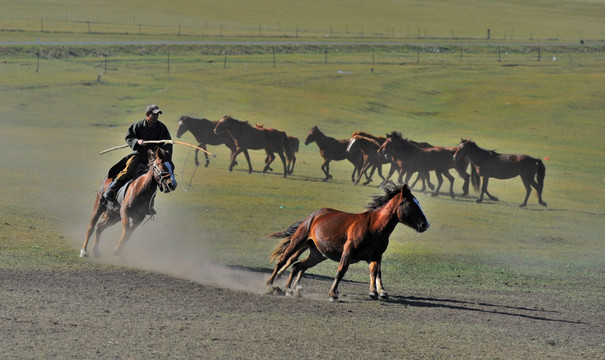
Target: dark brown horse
{"x":392,"y":151}
{"x":203,"y":131}
{"x":250,"y":137}
{"x":137,"y":202}
{"x":415,"y":159}
{"x":346,"y":238}
{"x":294,"y":147}
{"x":489,"y":164}
{"x":368,"y":147}
{"x":331,"y":149}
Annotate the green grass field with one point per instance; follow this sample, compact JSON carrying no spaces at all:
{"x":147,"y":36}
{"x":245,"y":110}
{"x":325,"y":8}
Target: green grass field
{"x":56,"y":118}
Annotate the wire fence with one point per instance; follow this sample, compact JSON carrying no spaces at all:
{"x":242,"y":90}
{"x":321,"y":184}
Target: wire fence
{"x":206,"y":28}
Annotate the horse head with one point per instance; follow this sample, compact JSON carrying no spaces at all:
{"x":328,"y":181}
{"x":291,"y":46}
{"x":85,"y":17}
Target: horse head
{"x":222,"y":124}
{"x":409,"y":211}
{"x":163,"y":169}
{"x":312,"y":136}
{"x":463,"y":148}
{"x":182,"y":125}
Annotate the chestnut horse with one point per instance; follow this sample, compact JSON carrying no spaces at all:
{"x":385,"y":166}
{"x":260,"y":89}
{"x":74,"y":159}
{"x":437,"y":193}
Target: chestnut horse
{"x":331,"y":149}
{"x":489,"y":164}
{"x":137,"y":202}
{"x":346,"y":238}
{"x":247,"y":137}
{"x":203,"y":131}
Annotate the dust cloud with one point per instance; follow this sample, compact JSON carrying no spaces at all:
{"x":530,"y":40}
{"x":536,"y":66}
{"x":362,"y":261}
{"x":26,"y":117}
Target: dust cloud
{"x":161,"y":247}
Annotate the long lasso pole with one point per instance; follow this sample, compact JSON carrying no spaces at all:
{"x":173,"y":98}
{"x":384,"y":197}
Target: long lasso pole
{"x":159,"y":142}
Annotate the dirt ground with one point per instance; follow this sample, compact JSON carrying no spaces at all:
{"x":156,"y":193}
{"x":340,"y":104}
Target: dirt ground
{"x":114,"y":312}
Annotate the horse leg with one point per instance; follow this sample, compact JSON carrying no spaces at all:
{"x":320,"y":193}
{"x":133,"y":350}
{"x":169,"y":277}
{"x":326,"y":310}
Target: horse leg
{"x":203,"y":146}
{"x":197,"y":162}
{"x":325,"y":167}
{"x":234,"y":155}
{"x":283,"y":160}
{"x":526,"y":183}
{"x":268,"y":160}
{"x":127,"y":230}
{"x":447,"y":174}
{"x":369,"y":178}
{"x":91,"y":225}
{"x":376,"y":288}
{"x":439,"y":183}
{"x":248,"y":160}
{"x":343,"y":266}
{"x":314,"y":258}
{"x":416,"y":181}
{"x":466,"y":178}
{"x":107,"y":221}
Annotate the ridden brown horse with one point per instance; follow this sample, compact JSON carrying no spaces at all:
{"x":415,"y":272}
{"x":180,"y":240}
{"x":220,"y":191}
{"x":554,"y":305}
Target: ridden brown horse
{"x":203,"y":131}
{"x":294,"y":147}
{"x":346,"y":238}
{"x":331,"y":149}
{"x":489,"y":164}
{"x":247,"y":137}
{"x":414,"y":159}
{"x":390,"y":150}
{"x":137,"y":202}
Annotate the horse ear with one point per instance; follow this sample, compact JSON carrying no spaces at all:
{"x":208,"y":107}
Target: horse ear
{"x":405,"y":189}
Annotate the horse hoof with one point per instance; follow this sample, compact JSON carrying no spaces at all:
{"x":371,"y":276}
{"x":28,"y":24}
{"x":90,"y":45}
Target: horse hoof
{"x":479,"y":201}
{"x":289,"y":292}
{"x":543,"y":203}
{"x":83,"y":253}
{"x":373,"y":295}
{"x":333,"y":299}
{"x":298,"y":292}
{"x":383,"y":295}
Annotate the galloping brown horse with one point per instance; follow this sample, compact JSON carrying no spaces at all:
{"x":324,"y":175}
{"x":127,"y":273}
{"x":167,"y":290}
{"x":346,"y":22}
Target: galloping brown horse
{"x":203,"y":131}
{"x":346,"y":238}
{"x":414,"y":159}
{"x":137,"y":202}
{"x":247,"y":137}
{"x":489,"y":164}
{"x":331,"y":149}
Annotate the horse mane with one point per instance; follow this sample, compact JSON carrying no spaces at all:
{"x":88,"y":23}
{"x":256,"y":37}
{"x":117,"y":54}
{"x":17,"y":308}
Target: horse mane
{"x":366,"y":138}
{"x":491,"y":152}
{"x":390,"y":190}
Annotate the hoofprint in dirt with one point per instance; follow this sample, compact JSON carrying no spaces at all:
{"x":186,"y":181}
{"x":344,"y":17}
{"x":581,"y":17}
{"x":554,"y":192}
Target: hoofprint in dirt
{"x":115,"y":312}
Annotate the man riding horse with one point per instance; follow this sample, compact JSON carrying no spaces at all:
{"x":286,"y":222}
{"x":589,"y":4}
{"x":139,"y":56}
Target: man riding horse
{"x":138,"y":133}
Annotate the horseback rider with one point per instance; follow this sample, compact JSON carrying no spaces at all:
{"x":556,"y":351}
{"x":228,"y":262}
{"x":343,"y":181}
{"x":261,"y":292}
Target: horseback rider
{"x":147,"y":129}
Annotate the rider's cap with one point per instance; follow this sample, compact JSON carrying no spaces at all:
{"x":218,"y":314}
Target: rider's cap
{"x":153,"y":109}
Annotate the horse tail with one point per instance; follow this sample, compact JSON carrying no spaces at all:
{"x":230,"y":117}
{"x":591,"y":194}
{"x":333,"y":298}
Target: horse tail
{"x":287,"y":148}
{"x":281,"y":248}
{"x":541,"y":174}
{"x":475,"y":178}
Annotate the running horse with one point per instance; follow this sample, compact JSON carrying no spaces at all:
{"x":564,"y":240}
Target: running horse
{"x":415,"y":159}
{"x":332,"y":149}
{"x":246,"y":136}
{"x":137,"y":202}
{"x":346,"y":238}
{"x":294,"y":144}
{"x":203,"y":131}
{"x":490,"y":164}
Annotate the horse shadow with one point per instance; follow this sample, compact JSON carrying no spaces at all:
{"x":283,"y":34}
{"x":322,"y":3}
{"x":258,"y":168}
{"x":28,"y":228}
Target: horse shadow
{"x":434,"y":302}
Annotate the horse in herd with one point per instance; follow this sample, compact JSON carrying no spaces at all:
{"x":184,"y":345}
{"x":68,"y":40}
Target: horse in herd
{"x":490,"y":164}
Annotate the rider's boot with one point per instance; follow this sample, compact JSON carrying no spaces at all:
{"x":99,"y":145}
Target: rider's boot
{"x":112,"y":190}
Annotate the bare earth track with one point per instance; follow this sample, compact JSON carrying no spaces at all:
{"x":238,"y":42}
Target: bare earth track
{"x":118,"y":313}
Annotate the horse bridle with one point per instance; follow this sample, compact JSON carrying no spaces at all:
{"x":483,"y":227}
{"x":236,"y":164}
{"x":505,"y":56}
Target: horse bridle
{"x":161,"y":177}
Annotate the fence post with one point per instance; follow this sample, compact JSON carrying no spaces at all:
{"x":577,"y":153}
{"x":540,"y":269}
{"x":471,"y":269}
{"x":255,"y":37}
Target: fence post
{"x":38,"y":63}
{"x":274,"y":56}
{"x":326,"y":60}
{"x":168,"y":63}
{"x":225,"y":62}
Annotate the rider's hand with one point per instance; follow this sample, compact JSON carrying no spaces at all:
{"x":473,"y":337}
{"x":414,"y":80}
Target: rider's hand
{"x":141,"y":142}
